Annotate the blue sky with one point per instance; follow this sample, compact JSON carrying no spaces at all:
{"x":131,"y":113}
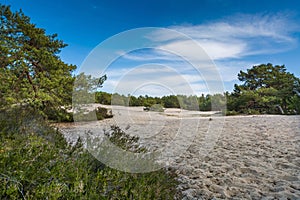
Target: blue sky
{"x":235,"y":34}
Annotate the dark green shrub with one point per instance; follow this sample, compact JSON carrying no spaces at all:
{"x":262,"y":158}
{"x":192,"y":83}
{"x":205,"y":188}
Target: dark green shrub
{"x":250,"y":112}
{"x":123,"y":140}
{"x":37,"y":163}
{"x":63,"y":115}
{"x":103,"y":113}
{"x":98,"y":114}
{"x":230,"y":112}
{"x":60,"y":115}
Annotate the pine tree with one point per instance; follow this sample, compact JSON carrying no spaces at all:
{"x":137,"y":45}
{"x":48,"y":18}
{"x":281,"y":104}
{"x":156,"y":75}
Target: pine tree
{"x":31,"y":72}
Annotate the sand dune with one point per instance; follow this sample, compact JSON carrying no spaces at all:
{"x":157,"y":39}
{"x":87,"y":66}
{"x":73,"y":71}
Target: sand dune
{"x":251,"y":157}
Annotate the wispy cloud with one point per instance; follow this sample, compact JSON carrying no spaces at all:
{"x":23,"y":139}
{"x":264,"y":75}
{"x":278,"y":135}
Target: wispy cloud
{"x":228,"y":42}
{"x":153,"y":78}
{"x":151,"y":55}
{"x":237,"y":36}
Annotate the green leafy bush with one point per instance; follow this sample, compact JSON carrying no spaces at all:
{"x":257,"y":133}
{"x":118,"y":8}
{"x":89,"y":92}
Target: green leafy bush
{"x":98,"y":114}
{"x":62,"y":115}
{"x":123,"y":140}
{"x":230,"y":112}
{"x":250,"y":111}
{"x":103,"y":113}
{"x":59,"y":115}
{"x":37,"y":163}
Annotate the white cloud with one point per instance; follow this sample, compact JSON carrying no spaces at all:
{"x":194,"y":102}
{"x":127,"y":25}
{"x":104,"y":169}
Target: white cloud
{"x":230,"y":68}
{"x":152,"y":55}
{"x":156,"y":87}
{"x":240,"y":35}
{"x":227,"y":42}
{"x":152,"y":78}
{"x":214,"y":49}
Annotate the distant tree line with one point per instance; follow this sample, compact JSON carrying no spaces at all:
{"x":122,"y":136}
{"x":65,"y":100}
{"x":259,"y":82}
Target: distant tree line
{"x":192,"y":102}
{"x":266,"y":89}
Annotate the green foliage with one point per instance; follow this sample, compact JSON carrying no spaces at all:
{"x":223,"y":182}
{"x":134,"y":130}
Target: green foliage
{"x":266,"y":89}
{"x":294,"y":104}
{"x":218,"y":102}
{"x":266,"y":76}
{"x":59,"y":115}
{"x":170,"y":101}
{"x":103,"y":113}
{"x":117,"y":99}
{"x":62,"y":115}
{"x":35,"y":160}
{"x":214,"y":102}
{"x":98,"y":114}
{"x":123,"y":140}
{"x":230,"y":112}
{"x":157,"y":108}
{"x":103,"y":98}
{"x":37,"y":163}
{"x":31,"y":73}
{"x":204,"y":102}
{"x":84,"y":94}
{"x":188,"y":102}
{"x":85,"y":87}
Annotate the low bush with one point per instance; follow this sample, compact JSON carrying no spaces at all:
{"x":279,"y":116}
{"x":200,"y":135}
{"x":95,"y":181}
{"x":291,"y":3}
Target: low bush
{"x":157,"y":108}
{"x":60,"y":115}
{"x":251,"y":112}
{"x":103,"y":113}
{"x":230,"y":112}
{"x":99,"y":113}
{"x":37,"y":163}
{"x":63,"y":115}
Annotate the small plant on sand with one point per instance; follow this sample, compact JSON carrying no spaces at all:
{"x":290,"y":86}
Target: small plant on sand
{"x":157,"y":108}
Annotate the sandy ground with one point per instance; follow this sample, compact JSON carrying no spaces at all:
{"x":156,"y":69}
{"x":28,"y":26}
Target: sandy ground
{"x":216,"y":157}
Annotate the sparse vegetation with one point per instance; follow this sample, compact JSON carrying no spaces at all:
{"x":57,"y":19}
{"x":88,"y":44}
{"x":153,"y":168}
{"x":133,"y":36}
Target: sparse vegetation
{"x":98,"y":114}
{"x":157,"y":108}
{"x":37,"y":163}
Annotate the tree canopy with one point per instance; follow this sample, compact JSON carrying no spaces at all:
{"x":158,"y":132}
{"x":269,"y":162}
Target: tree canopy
{"x":266,"y":88}
{"x":85,"y":87}
{"x":31,"y":72}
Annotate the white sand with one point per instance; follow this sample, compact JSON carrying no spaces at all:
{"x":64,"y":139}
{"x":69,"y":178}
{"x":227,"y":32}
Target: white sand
{"x":250,"y":157}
